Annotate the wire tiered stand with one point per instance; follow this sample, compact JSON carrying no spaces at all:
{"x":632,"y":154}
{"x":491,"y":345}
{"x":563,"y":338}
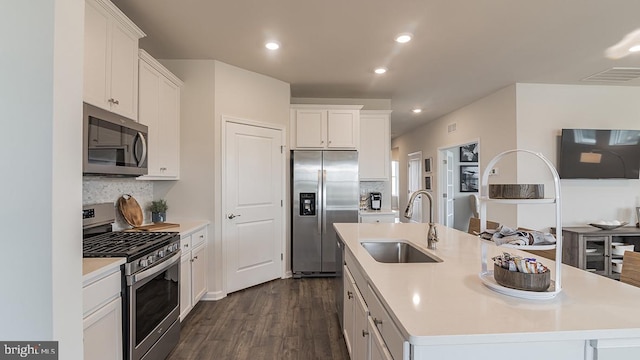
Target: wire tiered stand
{"x":486,"y":275}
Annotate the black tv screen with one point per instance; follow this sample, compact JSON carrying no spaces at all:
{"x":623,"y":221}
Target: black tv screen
{"x":599,"y":154}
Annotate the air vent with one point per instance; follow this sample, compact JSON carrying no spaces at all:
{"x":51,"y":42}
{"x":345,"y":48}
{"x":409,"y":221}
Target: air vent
{"x":451,"y":128}
{"x":616,"y":74}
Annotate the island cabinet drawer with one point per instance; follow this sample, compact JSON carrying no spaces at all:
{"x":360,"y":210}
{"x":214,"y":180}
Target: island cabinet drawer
{"x":361,"y":281}
{"x":198,"y":237}
{"x":390,"y":333}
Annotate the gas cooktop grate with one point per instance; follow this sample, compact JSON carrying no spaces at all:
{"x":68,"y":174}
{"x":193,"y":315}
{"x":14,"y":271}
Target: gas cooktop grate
{"x":124,"y":244}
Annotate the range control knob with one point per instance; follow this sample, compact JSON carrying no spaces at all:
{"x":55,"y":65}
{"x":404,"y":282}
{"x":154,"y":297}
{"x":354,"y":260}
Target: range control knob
{"x":143,"y":262}
{"x":150,"y":259}
{"x":160,"y":254}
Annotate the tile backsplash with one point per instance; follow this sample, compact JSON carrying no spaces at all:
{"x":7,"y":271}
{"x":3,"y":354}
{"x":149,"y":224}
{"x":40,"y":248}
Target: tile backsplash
{"x":97,"y":190}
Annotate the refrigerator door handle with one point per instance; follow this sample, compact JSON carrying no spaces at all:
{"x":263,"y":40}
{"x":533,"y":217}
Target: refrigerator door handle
{"x":324,"y":201}
{"x":320,"y":194}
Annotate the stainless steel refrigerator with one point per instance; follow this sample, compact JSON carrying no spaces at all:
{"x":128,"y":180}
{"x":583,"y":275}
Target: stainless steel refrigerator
{"x":325,"y":190}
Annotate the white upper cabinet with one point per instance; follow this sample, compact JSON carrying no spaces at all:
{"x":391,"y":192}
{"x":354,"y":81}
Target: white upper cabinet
{"x":111,"y":59}
{"x":159,"y":109}
{"x":374,"y":157}
{"x":325,"y":126}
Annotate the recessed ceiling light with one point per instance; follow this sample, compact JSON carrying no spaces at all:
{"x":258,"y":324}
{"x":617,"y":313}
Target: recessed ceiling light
{"x":403,"y":38}
{"x":635,"y":48}
{"x":417,"y":110}
{"x":380,"y":70}
{"x":272,"y":45}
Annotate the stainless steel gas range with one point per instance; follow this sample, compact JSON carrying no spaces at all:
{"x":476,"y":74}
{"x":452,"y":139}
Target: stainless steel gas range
{"x":150,"y":281}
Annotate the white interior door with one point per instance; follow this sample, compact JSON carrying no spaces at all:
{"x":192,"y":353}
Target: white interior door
{"x":252,"y":226}
{"x":415,"y":183}
{"x":449,"y":190}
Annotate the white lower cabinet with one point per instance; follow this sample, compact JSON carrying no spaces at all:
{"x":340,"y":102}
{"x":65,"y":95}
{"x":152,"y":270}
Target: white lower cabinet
{"x":368,"y":332}
{"x":360,"y":348}
{"x":102,"y":318}
{"x":103,"y":332}
{"x":193,"y":270}
{"x":349,"y":310}
{"x":377,"y":350}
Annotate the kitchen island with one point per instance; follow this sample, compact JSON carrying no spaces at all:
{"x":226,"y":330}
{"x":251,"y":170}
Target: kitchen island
{"x":442,"y":310}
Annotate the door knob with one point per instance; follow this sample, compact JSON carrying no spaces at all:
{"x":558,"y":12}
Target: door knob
{"x":231,"y":216}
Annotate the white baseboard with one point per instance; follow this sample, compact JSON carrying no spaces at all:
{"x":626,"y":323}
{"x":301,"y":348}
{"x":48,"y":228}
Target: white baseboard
{"x":287,"y":274}
{"x":213,"y":296}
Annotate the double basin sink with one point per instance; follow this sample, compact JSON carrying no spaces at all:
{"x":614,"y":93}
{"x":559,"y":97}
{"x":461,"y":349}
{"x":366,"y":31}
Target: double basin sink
{"x":397,"y":251}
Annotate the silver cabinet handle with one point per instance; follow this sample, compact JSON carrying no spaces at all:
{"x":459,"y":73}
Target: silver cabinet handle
{"x":364,"y":333}
{"x":349,"y":295}
{"x":377,"y":321}
{"x":231,"y":216}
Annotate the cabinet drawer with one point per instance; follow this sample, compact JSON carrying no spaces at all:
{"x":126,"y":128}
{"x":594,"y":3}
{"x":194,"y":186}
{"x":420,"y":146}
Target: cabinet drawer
{"x":391,"y":335}
{"x":199,"y":237}
{"x":386,"y":218}
{"x":185,"y":243}
{"x":100,"y":292}
{"x":595,"y":238}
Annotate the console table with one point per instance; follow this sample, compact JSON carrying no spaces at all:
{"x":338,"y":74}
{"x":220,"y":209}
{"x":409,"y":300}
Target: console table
{"x":589,"y":248}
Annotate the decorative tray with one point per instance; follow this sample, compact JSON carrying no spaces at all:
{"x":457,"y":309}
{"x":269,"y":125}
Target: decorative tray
{"x":608,"y":227}
{"x":489,"y":281}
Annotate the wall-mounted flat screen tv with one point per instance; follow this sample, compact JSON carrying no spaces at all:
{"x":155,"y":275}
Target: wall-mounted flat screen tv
{"x":599,"y":154}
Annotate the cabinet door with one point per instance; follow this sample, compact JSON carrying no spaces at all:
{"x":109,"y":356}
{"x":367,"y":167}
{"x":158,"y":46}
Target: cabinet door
{"x":103,"y":332}
{"x":311,"y":128}
{"x":374,"y":157}
{"x":596,"y":254}
{"x":198,"y":273}
{"x":342,"y":128}
{"x":169,"y":128}
{"x":377,"y":349}
{"x":185,"y":285}
{"x":360,"y":346}
{"x":96,"y":61}
{"x":349,"y":310}
{"x":124,"y":72}
{"x":149,"y":113}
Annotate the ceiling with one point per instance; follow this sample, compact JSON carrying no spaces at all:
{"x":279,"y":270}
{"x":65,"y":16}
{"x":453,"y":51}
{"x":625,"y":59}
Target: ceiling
{"x":461,"y":50}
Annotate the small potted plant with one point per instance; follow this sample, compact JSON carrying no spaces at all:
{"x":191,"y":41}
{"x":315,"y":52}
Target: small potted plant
{"x":158,"y":210}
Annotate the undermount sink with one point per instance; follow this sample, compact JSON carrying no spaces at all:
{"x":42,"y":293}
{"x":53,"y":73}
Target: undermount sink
{"x":397,"y":252}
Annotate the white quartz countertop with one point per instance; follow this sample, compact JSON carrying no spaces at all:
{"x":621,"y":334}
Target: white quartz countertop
{"x":446,"y":303}
{"x":94,"y":269}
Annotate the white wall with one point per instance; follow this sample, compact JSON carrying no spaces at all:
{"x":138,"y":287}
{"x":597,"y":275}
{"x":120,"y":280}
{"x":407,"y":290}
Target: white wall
{"x":490,"y":121}
{"x":41,"y":112}
{"x":213,"y":89}
{"x":542,"y":111}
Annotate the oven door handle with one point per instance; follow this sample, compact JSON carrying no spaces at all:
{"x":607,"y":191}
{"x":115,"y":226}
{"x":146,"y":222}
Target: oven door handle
{"x":153,"y":271}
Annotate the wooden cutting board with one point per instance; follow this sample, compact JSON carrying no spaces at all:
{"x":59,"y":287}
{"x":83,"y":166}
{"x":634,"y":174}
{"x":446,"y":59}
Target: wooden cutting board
{"x":130,"y":210}
{"x":154,"y":227}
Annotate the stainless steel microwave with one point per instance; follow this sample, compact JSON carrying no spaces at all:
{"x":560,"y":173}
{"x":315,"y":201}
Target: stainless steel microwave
{"x":112,"y":144}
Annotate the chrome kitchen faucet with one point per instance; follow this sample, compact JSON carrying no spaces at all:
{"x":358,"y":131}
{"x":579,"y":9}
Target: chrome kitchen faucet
{"x":432,"y":233}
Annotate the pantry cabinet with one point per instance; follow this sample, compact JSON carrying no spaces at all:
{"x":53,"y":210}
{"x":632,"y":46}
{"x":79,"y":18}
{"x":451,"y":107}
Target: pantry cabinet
{"x":325,"y":126}
{"x":374,"y":156}
{"x":193,"y":281}
{"x":159,"y":109}
{"x":110,"y":59}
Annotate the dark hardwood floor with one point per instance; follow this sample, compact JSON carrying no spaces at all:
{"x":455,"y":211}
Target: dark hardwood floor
{"x":281,"y":319}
